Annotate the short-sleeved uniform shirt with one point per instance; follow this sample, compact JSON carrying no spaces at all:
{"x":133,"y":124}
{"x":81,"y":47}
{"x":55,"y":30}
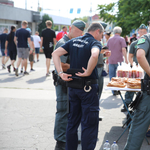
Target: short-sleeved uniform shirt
{"x":133,"y":50}
{"x":48,"y":35}
{"x":60,"y":35}
{"x":3,"y":38}
{"x":62,"y":41}
{"x":22,"y":38}
{"x":79,"y":50}
{"x":11,"y":43}
{"x":115,"y":45}
{"x":144,"y":43}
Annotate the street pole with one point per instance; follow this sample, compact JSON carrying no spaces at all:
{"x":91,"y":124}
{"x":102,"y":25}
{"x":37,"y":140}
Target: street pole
{"x":25,"y":4}
{"x":91,"y":14}
{"x":38,"y":6}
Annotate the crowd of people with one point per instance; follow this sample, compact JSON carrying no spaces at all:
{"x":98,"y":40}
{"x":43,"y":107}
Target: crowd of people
{"x":79,"y":70}
{"x":21,"y":43}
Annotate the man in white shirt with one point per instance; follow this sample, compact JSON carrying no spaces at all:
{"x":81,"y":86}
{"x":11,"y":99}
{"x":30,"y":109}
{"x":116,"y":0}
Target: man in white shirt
{"x":37,"y":42}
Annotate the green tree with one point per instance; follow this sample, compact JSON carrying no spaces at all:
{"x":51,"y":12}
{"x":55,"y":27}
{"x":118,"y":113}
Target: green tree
{"x":129,"y":16}
{"x":85,"y":19}
{"x":42,"y":25}
{"x":106,"y":12}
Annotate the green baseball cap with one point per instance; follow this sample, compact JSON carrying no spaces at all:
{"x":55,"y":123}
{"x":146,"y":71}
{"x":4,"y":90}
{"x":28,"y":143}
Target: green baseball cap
{"x":103,"y":24}
{"x":79,"y":24}
{"x":143,"y":26}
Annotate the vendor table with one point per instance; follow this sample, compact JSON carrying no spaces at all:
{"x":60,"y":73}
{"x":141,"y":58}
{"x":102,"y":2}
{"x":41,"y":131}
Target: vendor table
{"x":119,"y":91}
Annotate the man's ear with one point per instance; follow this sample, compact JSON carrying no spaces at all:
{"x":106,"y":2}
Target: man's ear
{"x":69,"y":28}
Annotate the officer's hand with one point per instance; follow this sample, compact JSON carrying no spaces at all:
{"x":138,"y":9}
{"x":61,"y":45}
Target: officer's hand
{"x":84,"y":74}
{"x":65,"y":76}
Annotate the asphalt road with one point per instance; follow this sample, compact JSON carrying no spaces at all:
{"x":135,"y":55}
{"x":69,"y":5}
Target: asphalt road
{"x":28,"y":106}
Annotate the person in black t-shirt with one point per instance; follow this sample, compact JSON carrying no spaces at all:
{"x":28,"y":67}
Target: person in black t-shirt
{"x":133,"y":38}
{"x":48,"y":40}
{"x":22,"y":38}
{"x":10,"y":45}
{"x":3,"y":38}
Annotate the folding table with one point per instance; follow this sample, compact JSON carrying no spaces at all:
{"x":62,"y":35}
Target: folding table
{"x":124,"y":89}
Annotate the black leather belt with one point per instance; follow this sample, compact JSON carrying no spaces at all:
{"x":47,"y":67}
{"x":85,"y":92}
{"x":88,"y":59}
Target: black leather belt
{"x":88,"y":83}
{"x":91,"y":81}
{"x":100,"y":65}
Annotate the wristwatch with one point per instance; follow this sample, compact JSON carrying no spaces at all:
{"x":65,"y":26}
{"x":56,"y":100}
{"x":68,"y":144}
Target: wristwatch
{"x":60,"y":72}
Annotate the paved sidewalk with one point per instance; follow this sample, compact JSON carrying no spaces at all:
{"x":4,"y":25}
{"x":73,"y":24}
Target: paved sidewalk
{"x":27,"y":112}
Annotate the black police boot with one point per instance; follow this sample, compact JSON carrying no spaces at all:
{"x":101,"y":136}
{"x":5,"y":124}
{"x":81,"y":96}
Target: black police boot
{"x":60,"y":145}
{"x":124,"y":108}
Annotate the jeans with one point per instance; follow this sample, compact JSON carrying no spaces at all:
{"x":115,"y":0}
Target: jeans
{"x":128,"y":97}
{"x":112,"y":71}
{"x":37,"y":50}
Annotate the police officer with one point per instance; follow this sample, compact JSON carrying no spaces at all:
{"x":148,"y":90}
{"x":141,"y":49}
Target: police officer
{"x":84,"y":103}
{"x":75,"y":30}
{"x":100,"y":68}
{"x":141,"y":118}
{"x":132,"y":58}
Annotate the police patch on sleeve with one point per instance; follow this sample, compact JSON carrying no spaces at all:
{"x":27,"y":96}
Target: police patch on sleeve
{"x":141,"y":41}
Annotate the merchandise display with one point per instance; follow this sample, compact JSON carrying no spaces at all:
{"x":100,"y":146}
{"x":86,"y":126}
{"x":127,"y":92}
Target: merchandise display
{"x":125,"y":70}
{"x":132,"y":83}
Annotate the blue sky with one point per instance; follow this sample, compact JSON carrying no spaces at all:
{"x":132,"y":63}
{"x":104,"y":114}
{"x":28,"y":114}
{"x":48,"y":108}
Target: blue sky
{"x":62,"y":7}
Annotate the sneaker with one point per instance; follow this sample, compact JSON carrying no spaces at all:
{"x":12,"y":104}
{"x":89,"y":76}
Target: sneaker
{"x":32,"y":70}
{"x":60,"y":145}
{"x":26,"y":73}
{"x":21,"y":70}
{"x":3,"y":67}
{"x":8,"y":67}
{"x":38,"y":60}
{"x":16,"y":72}
{"x":34,"y":61}
{"x":47,"y":75}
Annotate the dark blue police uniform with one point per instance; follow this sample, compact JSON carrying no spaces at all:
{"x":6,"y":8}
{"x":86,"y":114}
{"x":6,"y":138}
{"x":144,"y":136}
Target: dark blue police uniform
{"x":84,"y":106}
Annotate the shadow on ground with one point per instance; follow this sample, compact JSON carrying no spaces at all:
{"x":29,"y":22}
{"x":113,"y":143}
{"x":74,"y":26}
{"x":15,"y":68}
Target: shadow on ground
{"x":37,"y":80}
{"x":111,"y":102}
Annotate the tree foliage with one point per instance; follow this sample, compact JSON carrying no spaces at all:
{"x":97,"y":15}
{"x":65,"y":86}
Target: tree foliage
{"x":42,"y":25}
{"x":85,"y":19}
{"x":130,"y":14}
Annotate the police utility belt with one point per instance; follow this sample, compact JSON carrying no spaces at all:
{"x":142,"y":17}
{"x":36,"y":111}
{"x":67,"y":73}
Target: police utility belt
{"x":77,"y":82}
{"x":80,"y":82}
